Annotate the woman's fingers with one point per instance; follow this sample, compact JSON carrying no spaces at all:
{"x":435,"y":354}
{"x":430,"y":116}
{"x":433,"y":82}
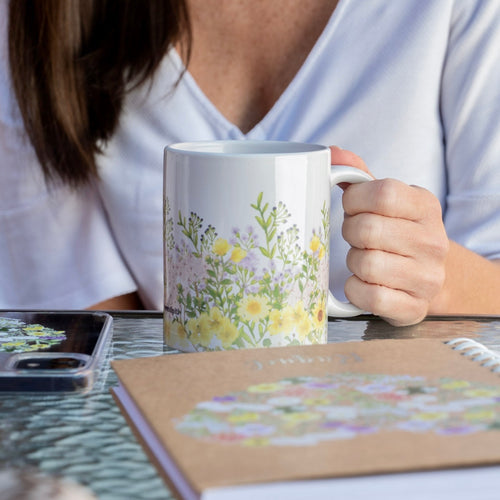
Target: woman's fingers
{"x":395,"y":271}
{"x":391,"y":198}
{"x":399,"y":247}
{"x":395,"y":306}
{"x":416,"y":240}
{"x":344,"y":157}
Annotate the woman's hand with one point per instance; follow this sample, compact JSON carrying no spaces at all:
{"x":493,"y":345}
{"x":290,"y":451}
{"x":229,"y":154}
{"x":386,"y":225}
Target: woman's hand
{"x":398,"y":246}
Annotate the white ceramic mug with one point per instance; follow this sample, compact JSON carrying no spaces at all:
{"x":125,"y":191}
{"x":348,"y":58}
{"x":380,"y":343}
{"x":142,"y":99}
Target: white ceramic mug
{"x":246,"y":244}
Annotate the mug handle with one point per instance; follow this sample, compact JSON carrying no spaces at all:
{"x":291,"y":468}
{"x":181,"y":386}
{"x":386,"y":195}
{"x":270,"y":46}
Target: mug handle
{"x":339,"y":174}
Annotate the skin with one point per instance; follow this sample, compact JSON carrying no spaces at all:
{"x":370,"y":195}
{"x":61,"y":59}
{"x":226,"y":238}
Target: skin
{"x":127,"y":302}
{"x":246,"y":52}
{"x":244,"y":55}
{"x":404,"y":266}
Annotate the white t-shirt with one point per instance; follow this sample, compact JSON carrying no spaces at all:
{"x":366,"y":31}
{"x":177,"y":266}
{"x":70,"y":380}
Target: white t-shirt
{"x":413,"y":87}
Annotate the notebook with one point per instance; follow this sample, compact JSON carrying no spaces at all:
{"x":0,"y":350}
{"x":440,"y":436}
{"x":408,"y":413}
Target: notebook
{"x":416,"y":418}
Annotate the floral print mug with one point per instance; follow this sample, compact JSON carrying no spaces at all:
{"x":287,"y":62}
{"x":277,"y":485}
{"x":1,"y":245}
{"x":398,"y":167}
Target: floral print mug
{"x":246,"y":252}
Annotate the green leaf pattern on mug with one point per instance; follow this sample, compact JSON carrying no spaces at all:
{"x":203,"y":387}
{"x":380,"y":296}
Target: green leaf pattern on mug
{"x":256,"y":287}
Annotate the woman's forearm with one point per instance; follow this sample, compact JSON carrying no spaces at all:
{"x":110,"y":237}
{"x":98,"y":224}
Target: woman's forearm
{"x":472,"y":284}
{"x":129,"y":301}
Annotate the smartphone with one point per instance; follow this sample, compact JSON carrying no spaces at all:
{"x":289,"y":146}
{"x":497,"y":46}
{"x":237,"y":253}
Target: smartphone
{"x":52,"y":351}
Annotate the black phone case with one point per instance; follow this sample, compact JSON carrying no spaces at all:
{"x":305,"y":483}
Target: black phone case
{"x":52,"y":351}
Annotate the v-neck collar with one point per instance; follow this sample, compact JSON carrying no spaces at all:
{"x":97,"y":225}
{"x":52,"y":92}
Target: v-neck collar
{"x":258,"y":130}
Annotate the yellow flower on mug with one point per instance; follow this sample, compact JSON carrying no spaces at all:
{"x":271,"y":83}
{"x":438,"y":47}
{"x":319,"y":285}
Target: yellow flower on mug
{"x":221,"y":246}
{"x":315,"y":243}
{"x":319,"y":314}
{"x":238,"y":254}
{"x":297,"y":313}
{"x":199,"y":333}
{"x":321,"y":252}
{"x":280,"y":322}
{"x":228,"y":333}
{"x":297,"y":319}
{"x":253,"y":308}
{"x":215,"y":323}
{"x":303,"y":328}
{"x":177,"y":331}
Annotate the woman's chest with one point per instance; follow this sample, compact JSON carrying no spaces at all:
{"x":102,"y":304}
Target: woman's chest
{"x":246,"y":53}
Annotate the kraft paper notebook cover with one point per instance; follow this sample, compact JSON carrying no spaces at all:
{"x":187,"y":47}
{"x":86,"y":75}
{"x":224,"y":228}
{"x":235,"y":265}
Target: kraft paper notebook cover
{"x":313,"y":421}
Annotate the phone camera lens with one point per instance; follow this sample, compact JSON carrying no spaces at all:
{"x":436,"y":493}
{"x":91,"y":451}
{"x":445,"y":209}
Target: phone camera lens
{"x":62,"y":363}
{"x":33,"y":365}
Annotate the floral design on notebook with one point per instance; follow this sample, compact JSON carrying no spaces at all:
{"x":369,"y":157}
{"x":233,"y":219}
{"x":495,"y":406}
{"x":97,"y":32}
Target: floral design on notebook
{"x":18,"y":336}
{"x":303,"y":411}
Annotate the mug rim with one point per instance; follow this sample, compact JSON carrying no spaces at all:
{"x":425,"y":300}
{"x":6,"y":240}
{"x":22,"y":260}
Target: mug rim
{"x":259,"y":148}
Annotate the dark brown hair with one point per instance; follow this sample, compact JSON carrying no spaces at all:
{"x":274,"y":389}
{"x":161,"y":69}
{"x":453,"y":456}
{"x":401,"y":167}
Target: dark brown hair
{"x":72,"y":62}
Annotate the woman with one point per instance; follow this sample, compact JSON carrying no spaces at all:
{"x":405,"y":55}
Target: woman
{"x":411,"y":87}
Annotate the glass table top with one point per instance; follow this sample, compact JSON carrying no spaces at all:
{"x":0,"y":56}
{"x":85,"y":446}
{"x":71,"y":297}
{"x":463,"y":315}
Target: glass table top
{"x":85,"y":438}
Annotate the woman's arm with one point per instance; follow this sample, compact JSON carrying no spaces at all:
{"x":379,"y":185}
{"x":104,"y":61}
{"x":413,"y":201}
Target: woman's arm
{"x":404,"y":266}
{"x":472,"y":284}
{"x":129,"y":301}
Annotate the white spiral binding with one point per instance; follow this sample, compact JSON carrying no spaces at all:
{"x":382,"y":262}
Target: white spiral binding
{"x":478,"y":352}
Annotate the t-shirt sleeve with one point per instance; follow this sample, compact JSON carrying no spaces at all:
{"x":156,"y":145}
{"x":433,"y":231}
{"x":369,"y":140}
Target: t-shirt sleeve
{"x":56,"y":247}
{"x":57,"y":250}
{"x":470,"y":110}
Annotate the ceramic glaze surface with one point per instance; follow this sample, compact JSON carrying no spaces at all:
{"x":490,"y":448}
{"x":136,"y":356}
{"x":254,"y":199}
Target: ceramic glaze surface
{"x":246,"y":231}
